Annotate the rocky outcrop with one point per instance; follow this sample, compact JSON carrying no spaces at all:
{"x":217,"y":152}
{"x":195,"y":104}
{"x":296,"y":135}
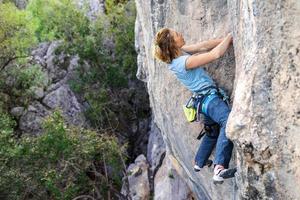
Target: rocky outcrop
{"x":31,"y":120}
{"x":159,"y":177}
{"x":92,"y":8}
{"x":64,"y":98}
{"x":56,"y":94}
{"x":138,"y":187}
{"x":261,"y":73}
{"x":21,"y":4}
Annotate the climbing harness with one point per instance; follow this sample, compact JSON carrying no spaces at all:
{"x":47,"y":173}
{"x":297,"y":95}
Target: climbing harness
{"x":198,"y":103}
{"x":191,"y":108}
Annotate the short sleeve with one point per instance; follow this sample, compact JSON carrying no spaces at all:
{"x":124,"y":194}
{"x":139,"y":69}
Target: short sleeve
{"x":181,"y":63}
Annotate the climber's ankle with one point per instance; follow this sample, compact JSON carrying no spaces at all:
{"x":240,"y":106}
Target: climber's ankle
{"x":218,"y":168}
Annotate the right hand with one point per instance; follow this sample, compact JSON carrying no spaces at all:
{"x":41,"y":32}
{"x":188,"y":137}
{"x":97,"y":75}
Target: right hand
{"x":229,"y":36}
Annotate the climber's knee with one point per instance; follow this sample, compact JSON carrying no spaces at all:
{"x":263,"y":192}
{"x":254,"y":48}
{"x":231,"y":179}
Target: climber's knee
{"x":212,"y":130}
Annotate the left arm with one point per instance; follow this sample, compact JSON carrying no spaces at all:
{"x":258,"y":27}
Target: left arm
{"x":198,"y":60}
{"x":201,"y":46}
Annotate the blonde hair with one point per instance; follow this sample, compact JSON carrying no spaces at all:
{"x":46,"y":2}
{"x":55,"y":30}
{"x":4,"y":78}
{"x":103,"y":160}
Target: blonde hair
{"x":165,"y":48}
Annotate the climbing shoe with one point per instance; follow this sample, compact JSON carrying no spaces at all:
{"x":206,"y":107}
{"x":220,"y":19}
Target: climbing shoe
{"x":197,"y":168}
{"x":208,"y":164}
{"x":222,"y":174}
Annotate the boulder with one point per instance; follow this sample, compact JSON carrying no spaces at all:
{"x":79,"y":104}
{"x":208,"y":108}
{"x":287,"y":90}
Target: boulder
{"x":17,"y":111}
{"x":30,"y":122}
{"x":137,"y":187}
{"x":64,"y":99}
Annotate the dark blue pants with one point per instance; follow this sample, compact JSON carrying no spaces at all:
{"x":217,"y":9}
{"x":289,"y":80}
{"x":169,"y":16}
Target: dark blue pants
{"x":215,"y":111}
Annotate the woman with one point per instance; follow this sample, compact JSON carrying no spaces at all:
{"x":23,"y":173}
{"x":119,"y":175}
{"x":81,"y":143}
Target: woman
{"x":187,"y":66}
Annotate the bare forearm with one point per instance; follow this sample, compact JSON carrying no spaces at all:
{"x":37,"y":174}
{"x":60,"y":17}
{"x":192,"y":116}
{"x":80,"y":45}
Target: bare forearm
{"x":201,"y":46}
{"x":207,"y":45}
{"x":221,"y":48}
{"x":198,"y":60}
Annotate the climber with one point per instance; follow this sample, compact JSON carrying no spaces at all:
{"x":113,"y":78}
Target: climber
{"x":186,"y":63}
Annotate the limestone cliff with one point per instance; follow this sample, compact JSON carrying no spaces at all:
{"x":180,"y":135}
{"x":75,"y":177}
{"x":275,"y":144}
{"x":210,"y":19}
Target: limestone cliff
{"x":261,"y":72}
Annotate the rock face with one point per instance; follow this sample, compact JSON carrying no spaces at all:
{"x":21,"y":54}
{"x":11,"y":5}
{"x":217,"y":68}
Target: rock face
{"x":260,"y":72}
{"x":160,"y":176}
{"x":167,"y":94}
{"x":168,"y":184}
{"x":156,"y":149}
{"x":265,"y":118}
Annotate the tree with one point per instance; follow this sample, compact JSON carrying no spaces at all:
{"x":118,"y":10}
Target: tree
{"x":17,"y":29}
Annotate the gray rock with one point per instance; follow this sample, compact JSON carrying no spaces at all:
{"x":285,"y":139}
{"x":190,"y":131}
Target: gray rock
{"x":139,"y":188}
{"x":141,"y":73}
{"x":262,"y":78}
{"x":40,"y":52}
{"x":59,"y":69}
{"x":17,"y":111}
{"x":156,"y":148}
{"x":93,"y":8}
{"x":38,"y":93}
{"x":265,"y":117}
{"x":31,"y":121}
{"x":169,"y":185}
{"x":63,"y":98}
{"x":56,"y":65}
{"x":31,"y":109}
{"x":21,"y":4}
{"x":197,"y":20}
{"x":69,"y":74}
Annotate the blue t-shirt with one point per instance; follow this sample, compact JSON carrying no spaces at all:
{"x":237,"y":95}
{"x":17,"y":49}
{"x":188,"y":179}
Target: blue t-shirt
{"x":194,"y":79}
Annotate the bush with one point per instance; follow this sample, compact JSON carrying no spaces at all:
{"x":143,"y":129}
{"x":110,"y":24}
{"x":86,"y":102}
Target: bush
{"x":58,"y":19}
{"x":62,"y":163}
{"x":26,"y":80}
{"x":65,"y":161}
{"x":16,"y":33}
{"x":109,"y":48}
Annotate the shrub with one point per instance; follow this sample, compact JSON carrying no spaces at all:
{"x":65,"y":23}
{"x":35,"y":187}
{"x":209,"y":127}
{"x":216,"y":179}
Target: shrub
{"x":58,"y":19}
{"x":26,"y":80}
{"x":16,"y":33}
{"x":62,"y":163}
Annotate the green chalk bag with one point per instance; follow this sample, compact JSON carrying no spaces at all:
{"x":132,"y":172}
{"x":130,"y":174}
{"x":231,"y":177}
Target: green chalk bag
{"x":189,"y":110}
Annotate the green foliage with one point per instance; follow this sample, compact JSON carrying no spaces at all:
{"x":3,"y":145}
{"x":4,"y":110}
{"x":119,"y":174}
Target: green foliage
{"x":16,"y":33}
{"x":64,"y":161}
{"x":170,"y":174}
{"x":26,"y":80}
{"x":26,"y":77}
{"x":60,"y":164}
{"x":122,"y":18}
{"x":59,"y":19}
{"x":109,"y":48}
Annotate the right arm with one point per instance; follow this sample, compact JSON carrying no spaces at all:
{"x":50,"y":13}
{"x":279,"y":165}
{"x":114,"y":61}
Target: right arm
{"x":201,"y":46}
{"x":195,"y":61}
